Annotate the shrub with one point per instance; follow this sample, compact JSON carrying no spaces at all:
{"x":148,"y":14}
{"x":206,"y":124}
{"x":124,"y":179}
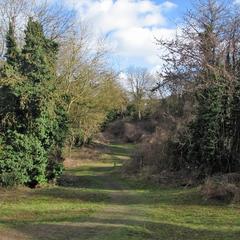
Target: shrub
{"x":55,"y":163}
{"x":222,"y":187}
{"x":157,"y":156}
{"x":163,"y":149}
{"x":23,"y":160}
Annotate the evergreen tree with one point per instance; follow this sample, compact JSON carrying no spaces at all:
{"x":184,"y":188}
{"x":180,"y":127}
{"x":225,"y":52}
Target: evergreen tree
{"x":15,"y":159}
{"x":33,"y":146}
{"x":12,"y":53}
{"x":47,"y":119}
{"x":9,"y":77}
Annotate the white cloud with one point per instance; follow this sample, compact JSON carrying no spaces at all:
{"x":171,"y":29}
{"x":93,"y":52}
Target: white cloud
{"x":168,"y":5}
{"x":140,"y":42}
{"x":130,"y":24}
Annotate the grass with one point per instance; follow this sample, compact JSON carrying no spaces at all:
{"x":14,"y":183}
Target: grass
{"x":93,"y":201}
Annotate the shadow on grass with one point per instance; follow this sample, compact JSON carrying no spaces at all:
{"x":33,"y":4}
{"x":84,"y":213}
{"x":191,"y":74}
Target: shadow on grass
{"x":116,"y":150}
{"x":82,"y":232}
{"x":128,"y":197}
{"x":120,"y":230}
{"x":91,"y":170}
{"x":100,"y":180}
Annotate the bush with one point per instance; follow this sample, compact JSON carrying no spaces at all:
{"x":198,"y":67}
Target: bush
{"x":32,"y":159}
{"x":51,"y":132}
{"x":223,"y":187}
{"x":112,"y":116}
{"x":164,"y":148}
{"x":55,"y":164}
{"x":158,"y":156}
{"x":23,"y":160}
{"x":9,"y":179}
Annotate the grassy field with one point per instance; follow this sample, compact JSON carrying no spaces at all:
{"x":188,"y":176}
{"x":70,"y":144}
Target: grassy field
{"x":94,"y":202}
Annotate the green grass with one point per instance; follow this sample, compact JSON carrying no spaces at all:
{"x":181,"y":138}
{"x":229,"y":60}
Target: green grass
{"x":93,"y":202}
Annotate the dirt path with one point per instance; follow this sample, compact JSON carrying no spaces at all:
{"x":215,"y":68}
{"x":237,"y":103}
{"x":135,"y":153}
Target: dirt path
{"x":119,"y":218}
{"x":116,"y":220}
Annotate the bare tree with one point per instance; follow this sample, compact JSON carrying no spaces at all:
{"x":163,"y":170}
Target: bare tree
{"x":140,"y":83}
{"x":14,"y":11}
{"x":57,"y":22}
{"x":209,"y":35}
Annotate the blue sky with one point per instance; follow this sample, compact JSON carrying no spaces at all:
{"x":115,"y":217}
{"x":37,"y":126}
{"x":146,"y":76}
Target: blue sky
{"x":130,"y":27}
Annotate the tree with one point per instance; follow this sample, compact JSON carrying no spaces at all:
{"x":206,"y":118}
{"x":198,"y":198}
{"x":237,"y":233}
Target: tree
{"x":12,"y":54}
{"x":9,"y":76}
{"x":140,"y":83}
{"x":90,"y":86}
{"x":202,"y":60}
{"x":32,"y":143}
{"x":57,"y":22}
{"x":47,"y":118}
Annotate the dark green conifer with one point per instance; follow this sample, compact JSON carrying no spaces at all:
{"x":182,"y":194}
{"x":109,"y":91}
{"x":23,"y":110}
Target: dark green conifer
{"x":33,"y":146}
{"x":12,"y":53}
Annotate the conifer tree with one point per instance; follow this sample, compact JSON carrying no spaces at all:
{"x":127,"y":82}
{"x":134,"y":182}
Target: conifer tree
{"x":9,"y":76}
{"x":17,"y":149}
{"x":33,"y":147}
{"x":12,"y":53}
{"x":47,"y":119}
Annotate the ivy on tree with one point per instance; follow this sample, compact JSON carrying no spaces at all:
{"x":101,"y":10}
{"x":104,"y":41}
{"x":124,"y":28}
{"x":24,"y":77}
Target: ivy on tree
{"x":31,"y":143}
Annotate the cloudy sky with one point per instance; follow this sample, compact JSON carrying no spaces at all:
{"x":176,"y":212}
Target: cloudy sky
{"x":131,"y":25}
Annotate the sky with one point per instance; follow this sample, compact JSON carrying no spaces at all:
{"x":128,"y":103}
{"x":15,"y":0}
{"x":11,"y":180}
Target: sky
{"x":131,"y":26}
